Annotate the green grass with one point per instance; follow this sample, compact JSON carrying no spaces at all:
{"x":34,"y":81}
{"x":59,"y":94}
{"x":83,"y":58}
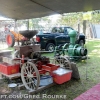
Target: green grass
{"x":89,"y":73}
{"x":74,"y":88}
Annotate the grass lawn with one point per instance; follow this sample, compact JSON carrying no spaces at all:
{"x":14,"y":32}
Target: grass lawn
{"x":89,"y":73}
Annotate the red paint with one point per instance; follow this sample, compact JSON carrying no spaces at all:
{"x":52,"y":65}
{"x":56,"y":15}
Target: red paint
{"x":50,"y":67}
{"x":9,"y":40}
{"x":60,"y":79}
{"x":91,"y":94}
{"x":22,"y":60}
{"x":37,"y":39}
{"x":9,"y":69}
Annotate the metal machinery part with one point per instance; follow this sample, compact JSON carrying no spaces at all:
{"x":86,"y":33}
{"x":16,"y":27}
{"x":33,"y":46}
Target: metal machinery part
{"x":30,"y":76}
{"x":30,"y":72}
{"x":31,"y":63}
{"x":35,"y":55}
{"x":63,"y":62}
{"x":16,"y":54}
{"x":74,"y":51}
{"x":28,"y":34}
{"x":30,"y":69}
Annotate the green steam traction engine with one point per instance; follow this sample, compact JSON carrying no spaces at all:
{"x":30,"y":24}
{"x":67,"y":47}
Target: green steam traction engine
{"x":74,"y":51}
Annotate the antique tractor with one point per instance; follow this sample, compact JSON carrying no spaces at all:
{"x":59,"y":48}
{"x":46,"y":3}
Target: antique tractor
{"x":22,"y":37}
{"x":73,"y":50}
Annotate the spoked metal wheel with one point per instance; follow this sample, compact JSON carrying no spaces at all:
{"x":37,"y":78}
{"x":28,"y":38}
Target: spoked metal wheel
{"x":63,"y":62}
{"x":30,"y":76}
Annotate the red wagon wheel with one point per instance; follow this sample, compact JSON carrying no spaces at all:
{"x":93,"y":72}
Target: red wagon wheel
{"x":30,"y":76}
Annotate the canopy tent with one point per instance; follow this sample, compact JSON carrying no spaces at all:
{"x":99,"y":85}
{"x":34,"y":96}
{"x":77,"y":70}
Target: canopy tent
{"x":26,"y":9}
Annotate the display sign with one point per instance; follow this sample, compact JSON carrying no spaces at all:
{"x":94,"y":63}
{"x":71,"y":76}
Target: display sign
{"x":87,"y":16}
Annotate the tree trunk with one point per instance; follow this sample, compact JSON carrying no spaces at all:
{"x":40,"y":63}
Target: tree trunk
{"x":84,"y":27}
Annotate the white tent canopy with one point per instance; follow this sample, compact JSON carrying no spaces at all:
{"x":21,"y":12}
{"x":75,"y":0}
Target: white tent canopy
{"x":25,"y":9}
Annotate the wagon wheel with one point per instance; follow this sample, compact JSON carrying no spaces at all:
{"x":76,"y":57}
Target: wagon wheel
{"x":30,"y":76}
{"x":63,"y":62}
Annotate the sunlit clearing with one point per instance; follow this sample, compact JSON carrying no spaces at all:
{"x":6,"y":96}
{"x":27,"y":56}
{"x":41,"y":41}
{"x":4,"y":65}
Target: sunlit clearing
{"x":97,"y":51}
{"x":4,"y":18}
{"x":55,"y":17}
{"x":97,"y":46}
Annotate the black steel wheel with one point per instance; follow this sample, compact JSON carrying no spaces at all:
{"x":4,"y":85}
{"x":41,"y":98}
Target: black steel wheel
{"x":50,"y":47}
